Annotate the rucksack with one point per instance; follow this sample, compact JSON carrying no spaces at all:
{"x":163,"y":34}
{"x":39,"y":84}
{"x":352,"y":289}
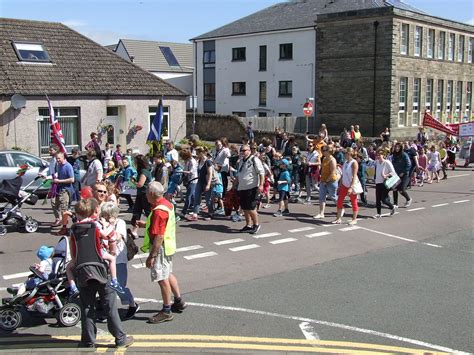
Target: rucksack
{"x":90,"y":267}
{"x":132,"y":248}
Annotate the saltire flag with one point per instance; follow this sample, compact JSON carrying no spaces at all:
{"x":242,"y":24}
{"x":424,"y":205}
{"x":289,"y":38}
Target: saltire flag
{"x":429,"y":121}
{"x":154,"y":136}
{"x":57,"y":136}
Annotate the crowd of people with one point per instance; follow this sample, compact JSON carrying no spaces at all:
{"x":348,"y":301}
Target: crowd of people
{"x":226,"y":181}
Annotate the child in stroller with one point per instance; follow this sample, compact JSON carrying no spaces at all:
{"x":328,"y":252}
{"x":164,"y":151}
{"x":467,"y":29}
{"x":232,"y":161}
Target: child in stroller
{"x":44,"y":293}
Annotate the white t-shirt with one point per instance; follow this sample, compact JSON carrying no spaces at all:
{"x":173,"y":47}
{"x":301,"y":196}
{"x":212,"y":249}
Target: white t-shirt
{"x":347,"y":173}
{"x":386,"y":167}
{"x":46,"y":267}
{"x":222,"y":158}
{"x":121,"y":228}
{"x":93,"y":172}
{"x":248,"y":173}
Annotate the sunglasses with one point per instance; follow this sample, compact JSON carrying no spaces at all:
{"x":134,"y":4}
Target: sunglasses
{"x":101,"y":191}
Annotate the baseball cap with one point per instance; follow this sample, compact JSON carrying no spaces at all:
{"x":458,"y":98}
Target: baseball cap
{"x":44,"y":252}
{"x":285,"y":161}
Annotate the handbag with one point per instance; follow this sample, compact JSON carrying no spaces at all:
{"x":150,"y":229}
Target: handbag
{"x":392,"y":182}
{"x":357,"y":189}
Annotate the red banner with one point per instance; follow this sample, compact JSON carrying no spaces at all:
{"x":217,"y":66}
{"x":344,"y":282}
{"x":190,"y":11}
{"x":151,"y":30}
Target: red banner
{"x":56,"y":132}
{"x":429,"y":121}
{"x":453,"y":127}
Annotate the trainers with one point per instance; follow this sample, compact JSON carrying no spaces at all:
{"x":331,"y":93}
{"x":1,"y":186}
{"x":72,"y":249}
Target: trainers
{"x":319,"y":216}
{"x":377,"y":216}
{"x":161,"y":317}
{"x":278,"y":214}
{"x":246,"y":229}
{"x":191,"y":218}
{"x":178,"y":307}
{"x":352,"y":222}
{"x":114,"y":285}
{"x":132,"y":310}
{"x":408,"y":203}
{"x":12,"y":290}
{"x":126,"y":343}
{"x":255,"y":229}
{"x":285,"y":212}
{"x":267,"y":205}
{"x":392,"y":211}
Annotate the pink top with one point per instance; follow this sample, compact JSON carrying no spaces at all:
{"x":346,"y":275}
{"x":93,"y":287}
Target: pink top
{"x":423,"y":161}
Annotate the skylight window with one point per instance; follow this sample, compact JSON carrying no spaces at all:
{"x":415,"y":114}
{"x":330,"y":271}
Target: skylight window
{"x":31,"y":52}
{"x":169,"y":56}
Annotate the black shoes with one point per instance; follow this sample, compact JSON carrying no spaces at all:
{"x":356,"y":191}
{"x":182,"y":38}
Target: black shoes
{"x":255,"y":229}
{"x":178,"y":307}
{"x":132,"y":310}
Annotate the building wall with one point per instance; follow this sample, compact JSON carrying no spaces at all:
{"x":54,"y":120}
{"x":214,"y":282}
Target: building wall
{"x":421,"y":67}
{"x":21,"y":128}
{"x":345,"y":72}
{"x":299,"y":70}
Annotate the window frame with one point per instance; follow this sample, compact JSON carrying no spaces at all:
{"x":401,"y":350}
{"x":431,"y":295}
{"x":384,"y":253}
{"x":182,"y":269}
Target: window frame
{"x":404,"y":41}
{"x":239,"y":113}
{"x":451,"y":46}
{"x":209,"y":96}
{"x":237,"y":54}
{"x":461,"y":46}
{"x":262,"y":60}
{"x":282,"y":52}
{"x":29,"y":60}
{"x":441,"y":55}
{"x":288,"y":86}
{"x":429,"y":94}
{"x":470,"y":50}
{"x":449,"y":96}
{"x":418,"y":42}
{"x":210,"y":61}
{"x":239,"y":92}
{"x":430,"y":50}
{"x":416,"y":94}
{"x":439,"y":95}
{"x":262,"y":97}
{"x":402,"y":104}
{"x":166,"y":119}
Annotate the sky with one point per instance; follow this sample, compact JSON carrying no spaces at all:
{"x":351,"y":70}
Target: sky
{"x":106,"y":21}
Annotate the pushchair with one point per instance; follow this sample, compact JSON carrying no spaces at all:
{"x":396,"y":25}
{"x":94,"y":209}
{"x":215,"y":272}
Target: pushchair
{"x":15,"y":197}
{"x":49,"y":298}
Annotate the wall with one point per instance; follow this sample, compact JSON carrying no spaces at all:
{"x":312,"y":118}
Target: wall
{"x":300,"y":70}
{"x":92,"y":109}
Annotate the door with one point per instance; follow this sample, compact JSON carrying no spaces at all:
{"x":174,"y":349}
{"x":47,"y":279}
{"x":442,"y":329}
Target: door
{"x":112,"y":134}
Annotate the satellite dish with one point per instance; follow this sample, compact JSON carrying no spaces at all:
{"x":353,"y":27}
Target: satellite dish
{"x":18,"y":101}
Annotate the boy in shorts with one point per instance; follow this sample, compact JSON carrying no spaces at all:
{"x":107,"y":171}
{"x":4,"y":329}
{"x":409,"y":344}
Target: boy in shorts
{"x":283,"y":186}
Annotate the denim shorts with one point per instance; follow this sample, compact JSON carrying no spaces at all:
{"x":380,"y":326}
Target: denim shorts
{"x":326,"y":188}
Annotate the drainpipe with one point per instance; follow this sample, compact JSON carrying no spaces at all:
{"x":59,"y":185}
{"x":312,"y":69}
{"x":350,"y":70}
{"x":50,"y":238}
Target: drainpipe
{"x":194,"y":85}
{"x":376,"y":25}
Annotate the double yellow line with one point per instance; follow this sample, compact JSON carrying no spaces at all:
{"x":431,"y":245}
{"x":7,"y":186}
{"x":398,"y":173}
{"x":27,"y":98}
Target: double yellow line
{"x":213,"y":342}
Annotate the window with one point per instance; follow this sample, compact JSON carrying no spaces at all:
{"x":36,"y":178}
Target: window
{"x":470,"y":48}
{"x":429,"y":94}
{"x":169,"y":56}
{"x":238,"y":54}
{"x":404,"y":39}
{"x":431,"y":44}
{"x":165,"y":128}
{"x":68,"y":120}
{"x":284,"y":114}
{"x":441,"y":45}
{"x":31,"y":52}
{"x":461,"y":49}
{"x":416,"y":94}
{"x":112,"y":111}
{"x":262,"y":94}
{"x":439,"y":97}
{"x":451,"y":41}
{"x":263,"y":59}
{"x":286,"y":51}
{"x":458,"y":100}
{"x":402,"y":101}
{"x":238,"y":88}
{"x":449,"y":96}
{"x":468,"y":101}
{"x":209,"y":59}
{"x":262,"y":114}
{"x":418,"y":40}
{"x":210,"y":91}
{"x":285,"y":88}
{"x":239,"y":114}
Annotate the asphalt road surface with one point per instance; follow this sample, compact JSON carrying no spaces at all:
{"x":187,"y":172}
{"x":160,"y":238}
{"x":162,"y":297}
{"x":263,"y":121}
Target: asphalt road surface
{"x":401,"y":284}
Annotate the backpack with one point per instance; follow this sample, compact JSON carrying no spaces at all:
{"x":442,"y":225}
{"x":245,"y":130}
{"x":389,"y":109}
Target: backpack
{"x":90,"y":267}
{"x":132,"y":248}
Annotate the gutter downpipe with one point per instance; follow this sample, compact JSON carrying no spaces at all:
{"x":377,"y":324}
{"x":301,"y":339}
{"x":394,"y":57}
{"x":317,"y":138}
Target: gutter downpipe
{"x":376,"y":25}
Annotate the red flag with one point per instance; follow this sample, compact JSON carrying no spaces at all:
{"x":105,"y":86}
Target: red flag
{"x":56,"y":133}
{"x":429,"y":121}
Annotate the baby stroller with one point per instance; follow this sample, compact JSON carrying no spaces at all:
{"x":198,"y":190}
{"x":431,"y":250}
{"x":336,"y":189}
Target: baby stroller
{"x":49,"y":298}
{"x":15,"y":197}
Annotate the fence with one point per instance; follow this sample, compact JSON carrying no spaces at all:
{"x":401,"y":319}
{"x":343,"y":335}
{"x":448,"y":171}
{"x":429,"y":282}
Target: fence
{"x":288,"y":124}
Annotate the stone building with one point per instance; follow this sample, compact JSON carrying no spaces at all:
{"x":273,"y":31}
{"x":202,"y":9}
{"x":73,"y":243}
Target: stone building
{"x":383,"y":67}
{"x":90,"y":87}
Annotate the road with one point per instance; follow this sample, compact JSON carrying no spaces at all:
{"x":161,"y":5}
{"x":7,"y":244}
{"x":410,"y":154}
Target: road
{"x":397,"y":284}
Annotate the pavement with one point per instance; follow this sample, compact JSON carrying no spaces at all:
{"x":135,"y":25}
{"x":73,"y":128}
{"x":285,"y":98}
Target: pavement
{"x":400,"y":284}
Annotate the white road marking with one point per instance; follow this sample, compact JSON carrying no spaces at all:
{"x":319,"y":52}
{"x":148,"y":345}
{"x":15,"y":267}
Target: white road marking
{"x":16,"y":276}
{"x":389,"y":235}
{"x":388,"y":214}
{"x":308,"y":331}
{"x":440,"y":205}
{"x":416,"y":209}
{"x":281,"y":241}
{"x":455,"y":176}
{"x":229,"y":241}
{"x":245,"y":247}
{"x":268,"y":235}
{"x":319,"y":234}
{"x":199,"y":256}
{"x":351,"y":228}
{"x":304,"y":229}
{"x":320,"y":322}
{"x":330,"y":225}
{"x":140,"y":256}
{"x":191,"y":247}
{"x":433,"y":245}
{"x":462,"y":201}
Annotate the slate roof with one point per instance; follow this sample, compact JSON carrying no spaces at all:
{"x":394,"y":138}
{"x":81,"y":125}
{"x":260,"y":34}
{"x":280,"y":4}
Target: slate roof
{"x":79,"y":65}
{"x":147,"y":55}
{"x":297,"y":14}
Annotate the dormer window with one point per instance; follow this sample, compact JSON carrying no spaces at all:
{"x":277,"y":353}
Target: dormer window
{"x":31,"y":52}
